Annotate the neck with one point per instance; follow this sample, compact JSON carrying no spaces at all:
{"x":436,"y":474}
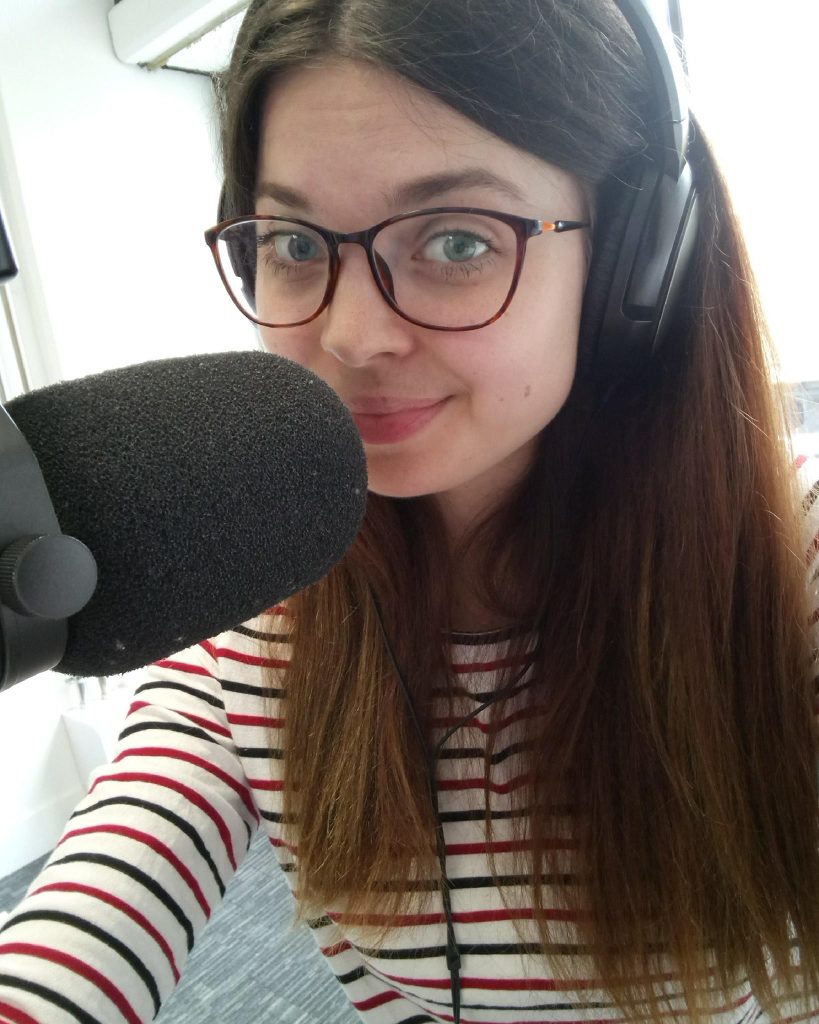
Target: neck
{"x":463,"y":507}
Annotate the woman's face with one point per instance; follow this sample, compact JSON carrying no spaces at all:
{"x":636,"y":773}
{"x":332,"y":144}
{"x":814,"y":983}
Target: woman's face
{"x":453,"y":414}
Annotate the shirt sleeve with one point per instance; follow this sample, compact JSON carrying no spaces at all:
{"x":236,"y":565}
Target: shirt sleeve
{"x":107,"y":926}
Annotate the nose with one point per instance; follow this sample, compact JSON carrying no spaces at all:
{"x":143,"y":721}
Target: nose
{"x":360,"y":325}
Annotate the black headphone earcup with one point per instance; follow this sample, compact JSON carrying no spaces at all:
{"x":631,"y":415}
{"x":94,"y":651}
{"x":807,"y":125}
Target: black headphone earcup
{"x":615,"y":204}
{"x":643,"y":248}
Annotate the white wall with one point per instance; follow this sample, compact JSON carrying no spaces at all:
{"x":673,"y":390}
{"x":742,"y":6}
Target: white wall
{"x":41,"y":783}
{"x":753,"y":86}
{"x":116,"y":172}
{"x":108,"y":179}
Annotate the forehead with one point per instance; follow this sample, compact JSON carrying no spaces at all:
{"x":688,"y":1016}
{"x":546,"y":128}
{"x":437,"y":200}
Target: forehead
{"x":347,"y":135}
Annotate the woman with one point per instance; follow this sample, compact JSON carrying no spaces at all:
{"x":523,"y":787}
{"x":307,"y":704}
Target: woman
{"x":541,"y":747}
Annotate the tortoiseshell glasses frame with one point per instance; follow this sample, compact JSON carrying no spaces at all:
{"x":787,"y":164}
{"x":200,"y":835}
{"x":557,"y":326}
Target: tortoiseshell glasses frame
{"x":524,"y":228}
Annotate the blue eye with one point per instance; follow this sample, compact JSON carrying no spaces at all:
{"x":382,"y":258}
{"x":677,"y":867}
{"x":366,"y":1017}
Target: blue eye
{"x":299,"y":248}
{"x":459,"y":246}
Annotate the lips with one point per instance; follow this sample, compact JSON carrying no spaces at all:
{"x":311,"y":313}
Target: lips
{"x":387,"y":420}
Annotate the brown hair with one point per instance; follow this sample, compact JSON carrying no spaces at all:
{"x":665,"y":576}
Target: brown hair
{"x":662,"y":564}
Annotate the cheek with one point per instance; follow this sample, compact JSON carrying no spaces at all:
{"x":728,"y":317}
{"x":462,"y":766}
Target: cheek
{"x":281,"y":342}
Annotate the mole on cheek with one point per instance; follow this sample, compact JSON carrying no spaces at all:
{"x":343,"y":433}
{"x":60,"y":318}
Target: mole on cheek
{"x":528,"y":391}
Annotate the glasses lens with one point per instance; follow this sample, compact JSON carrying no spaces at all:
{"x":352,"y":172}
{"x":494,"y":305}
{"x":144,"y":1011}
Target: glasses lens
{"x":448,"y":269}
{"x":277,"y":271}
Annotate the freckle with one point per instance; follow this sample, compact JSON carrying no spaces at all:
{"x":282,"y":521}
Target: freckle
{"x":528,"y":391}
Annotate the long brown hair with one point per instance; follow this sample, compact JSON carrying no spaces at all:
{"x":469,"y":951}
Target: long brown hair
{"x":660,"y":563}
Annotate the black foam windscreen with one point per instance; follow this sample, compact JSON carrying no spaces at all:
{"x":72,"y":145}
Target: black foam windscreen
{"x":207,"y":488}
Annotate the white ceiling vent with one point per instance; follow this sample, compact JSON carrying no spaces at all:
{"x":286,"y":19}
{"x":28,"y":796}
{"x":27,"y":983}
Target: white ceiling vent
{"x":197,"y":35}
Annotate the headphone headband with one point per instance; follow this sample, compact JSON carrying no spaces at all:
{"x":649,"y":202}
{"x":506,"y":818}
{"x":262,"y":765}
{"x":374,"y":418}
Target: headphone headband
{"x":667,"y":77}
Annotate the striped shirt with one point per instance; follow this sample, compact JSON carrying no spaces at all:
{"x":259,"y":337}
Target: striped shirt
{"x":107,"y":926}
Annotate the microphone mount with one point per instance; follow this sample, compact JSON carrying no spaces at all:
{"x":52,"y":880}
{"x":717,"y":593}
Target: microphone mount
{"x":45,"y":576}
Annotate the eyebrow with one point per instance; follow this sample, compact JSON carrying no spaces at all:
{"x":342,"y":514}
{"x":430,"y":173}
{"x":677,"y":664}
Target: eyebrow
{"x":411,"y":193}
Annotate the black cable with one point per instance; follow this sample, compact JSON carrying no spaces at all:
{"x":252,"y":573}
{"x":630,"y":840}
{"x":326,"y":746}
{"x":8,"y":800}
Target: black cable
{"x":453,"y":953}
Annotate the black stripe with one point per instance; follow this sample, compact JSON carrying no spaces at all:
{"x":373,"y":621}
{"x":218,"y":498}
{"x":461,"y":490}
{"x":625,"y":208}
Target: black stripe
{"x":462,"y":753}
{"x":419,"y":1018}
{"x":280,"y":819}
{"x":257,"y":635}
{"x":266,"y":752}
{"x":449,"y":816}
{"x":430,"y":952}
{"x":167,"y":684}
{"x":102,"y":936}
{"x":252,"y":691}
{"x":50,"y":996}
{"x":355,"y":975}
{"x":174,"y":819}
{"x":811,"y":497}
{"x":116,"y":864}
{"x":513,"y":1007}
{"x":487,"y":881}
{"x":559,"y":810}
{"x":185,"y":730}
{"x":486,"y":949}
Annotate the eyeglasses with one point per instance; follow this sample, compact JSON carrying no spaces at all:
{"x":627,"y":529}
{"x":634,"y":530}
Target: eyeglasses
{"x":452,"y":268}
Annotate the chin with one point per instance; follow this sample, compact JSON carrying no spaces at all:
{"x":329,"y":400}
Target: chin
{"x":415,"y":478}
{"x":398,"y":482}
{"x":399,"y":490}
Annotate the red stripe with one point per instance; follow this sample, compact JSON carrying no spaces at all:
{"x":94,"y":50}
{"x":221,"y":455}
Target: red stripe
{"x":78,"y":967}
{"x":190,"y":794}
{"x":464,"y":667}
{"x":208,"y":647}
{"x":486,"y":727}
{"x":271,"y":723}
{"x":126,"y":908}
{"x":801,"y":460}
{"x":445,"y":785}
{"x":220,"y":730}
{"x":267,"y":785}
{"x":200,"y":762}
{"x":373,"y":1001}
{"x":512,"y":984}
{"x":279,"y":609}
{"x":155,"y":844}
{"x":184,"y":666}
{"x":250,"y":659}
{"x":280,"y":844}
{"x":340,"y":947}
{"x":14,"y":1015}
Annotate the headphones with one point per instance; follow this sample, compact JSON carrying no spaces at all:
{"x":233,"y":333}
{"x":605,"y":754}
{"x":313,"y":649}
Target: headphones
{"x":648,"y":220}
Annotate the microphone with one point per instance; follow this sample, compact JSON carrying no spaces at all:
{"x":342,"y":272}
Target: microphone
{"x":207,"y":488}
